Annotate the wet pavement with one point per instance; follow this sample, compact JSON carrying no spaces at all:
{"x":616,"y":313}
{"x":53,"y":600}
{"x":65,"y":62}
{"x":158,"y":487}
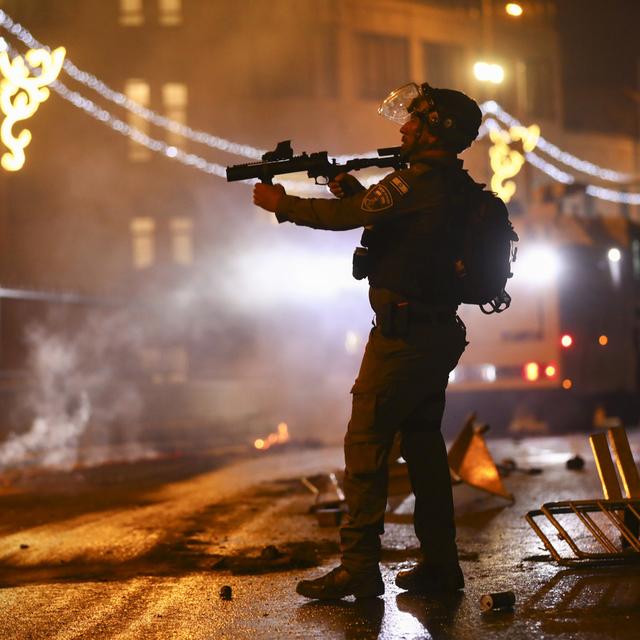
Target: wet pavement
{"x":143,"y":550}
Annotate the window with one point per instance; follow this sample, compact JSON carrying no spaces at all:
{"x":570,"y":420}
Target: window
{"x":143,"y":242}
{"x":174,"y":99}
{"x":131,"y":13}
{"x":447,"y":65}
{"x":383,"y":63}
{"x":138,"y":91}
{"x":169,"y":12}
{"x":181,"y":240}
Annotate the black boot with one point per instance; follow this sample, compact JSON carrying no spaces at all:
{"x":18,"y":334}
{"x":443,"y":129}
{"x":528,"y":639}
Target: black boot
{"x":339,"y":583}
{"x":431,"y":579}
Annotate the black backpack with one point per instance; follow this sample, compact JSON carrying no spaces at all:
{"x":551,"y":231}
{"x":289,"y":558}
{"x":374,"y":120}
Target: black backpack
{"x":484,"y":250}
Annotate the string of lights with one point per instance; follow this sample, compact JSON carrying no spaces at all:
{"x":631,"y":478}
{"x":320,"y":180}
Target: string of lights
{"x":539,"y":163}
{"x":202,"y":137}
{"x":200,"y":163}
{"x":301,"y":188}
{"x":555,"y":152}
{"x":551,"y":170}
{"x":612,"y":196}
{"x":122,"y":100}
{"x":102,"y":115}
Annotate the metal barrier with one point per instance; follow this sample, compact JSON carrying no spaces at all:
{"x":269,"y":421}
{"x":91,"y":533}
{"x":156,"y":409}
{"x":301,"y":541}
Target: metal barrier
{"x":620,"y":508}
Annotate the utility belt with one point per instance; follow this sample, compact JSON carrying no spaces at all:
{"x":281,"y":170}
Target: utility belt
{"x":394,"y":318}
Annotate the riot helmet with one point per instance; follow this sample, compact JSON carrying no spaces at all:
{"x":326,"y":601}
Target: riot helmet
{"x":451,"y":115}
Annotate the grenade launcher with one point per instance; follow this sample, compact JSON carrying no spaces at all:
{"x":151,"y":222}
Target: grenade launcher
{"x":317,"y":165}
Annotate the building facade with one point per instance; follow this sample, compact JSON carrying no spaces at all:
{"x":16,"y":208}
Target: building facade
{"x":97,"y":213}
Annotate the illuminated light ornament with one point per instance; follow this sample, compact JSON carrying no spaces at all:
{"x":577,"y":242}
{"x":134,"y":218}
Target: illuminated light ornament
{"x":567,"y":383}
{"x":20,"y":96}
{"x":489,"y":107}
{"x":550,"y":371}
{"x":603,"y":340}
{"x":506,"y":162}
{"x":584,"y":166}
{"x":122,"y":100}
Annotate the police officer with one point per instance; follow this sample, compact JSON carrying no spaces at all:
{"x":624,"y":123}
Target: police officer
{"x":416,"y":342}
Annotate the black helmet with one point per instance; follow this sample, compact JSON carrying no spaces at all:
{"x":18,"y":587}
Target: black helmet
{"x":451,"y":115}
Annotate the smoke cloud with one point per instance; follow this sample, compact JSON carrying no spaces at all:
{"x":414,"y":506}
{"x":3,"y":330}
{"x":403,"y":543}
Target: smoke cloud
{"x":79,"y":391}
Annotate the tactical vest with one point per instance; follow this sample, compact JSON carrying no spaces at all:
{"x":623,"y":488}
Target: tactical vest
{"x":413,"y":255}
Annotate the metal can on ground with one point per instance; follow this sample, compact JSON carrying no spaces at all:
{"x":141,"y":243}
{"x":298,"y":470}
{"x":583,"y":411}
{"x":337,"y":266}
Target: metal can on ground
{"x":495,"y":601}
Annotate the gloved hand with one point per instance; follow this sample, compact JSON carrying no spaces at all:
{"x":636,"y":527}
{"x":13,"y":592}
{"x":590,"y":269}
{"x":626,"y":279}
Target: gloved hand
{"x":344,"y":185}
{"x":268,"y":196}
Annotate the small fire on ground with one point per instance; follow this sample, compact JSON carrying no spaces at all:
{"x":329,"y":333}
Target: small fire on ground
{"x":279,"y":437}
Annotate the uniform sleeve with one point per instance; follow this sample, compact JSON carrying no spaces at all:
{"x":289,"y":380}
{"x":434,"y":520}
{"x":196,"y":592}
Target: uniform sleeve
{"x":400,"y":193}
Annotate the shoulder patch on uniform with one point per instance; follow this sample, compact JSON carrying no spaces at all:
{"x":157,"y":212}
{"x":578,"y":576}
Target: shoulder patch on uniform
{"x":377,"y":199}
{"x":399,"y":185}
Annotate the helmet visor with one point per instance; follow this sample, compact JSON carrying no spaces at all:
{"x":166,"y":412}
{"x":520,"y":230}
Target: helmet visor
{"x":395,"y":106}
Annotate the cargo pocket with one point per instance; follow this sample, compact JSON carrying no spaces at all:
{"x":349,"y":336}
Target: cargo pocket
{"x":367,"y":441}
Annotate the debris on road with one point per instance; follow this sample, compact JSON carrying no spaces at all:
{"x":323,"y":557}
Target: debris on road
{"x":302,"y":555}
{"x":226,"y":592}
{"x":497,"y":601}
{"x":576,"y":463}
{"x":508,"y":466}
{"x":329,"y":517}
{"x":326,"y":489}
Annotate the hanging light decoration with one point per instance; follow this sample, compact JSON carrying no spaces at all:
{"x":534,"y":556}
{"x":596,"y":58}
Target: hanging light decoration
{"x":21,"y":93}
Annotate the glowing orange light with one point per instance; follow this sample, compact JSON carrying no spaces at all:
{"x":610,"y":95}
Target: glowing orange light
{"x":513,"y":9}
{"x":283,"y":432}
{"x":566,"y":340}
{"x":567,"y":383}
{"x":281,"y":436}
{"x":550,"y":370}
{"x":603,"y":340}
{"x":531,"y":371}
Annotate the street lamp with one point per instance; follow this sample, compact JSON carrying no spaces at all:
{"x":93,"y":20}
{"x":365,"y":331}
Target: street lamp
{"x":513,"y":9}
{"x":614,"y":254}
{"x":488,"y":72}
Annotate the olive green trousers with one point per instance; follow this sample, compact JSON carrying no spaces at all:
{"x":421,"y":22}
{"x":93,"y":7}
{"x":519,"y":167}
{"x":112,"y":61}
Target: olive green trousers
{"x":401,"y":388}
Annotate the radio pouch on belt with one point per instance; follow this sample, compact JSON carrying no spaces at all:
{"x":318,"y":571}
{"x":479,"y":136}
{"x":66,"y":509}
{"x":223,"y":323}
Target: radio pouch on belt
{"x":393,"y":320}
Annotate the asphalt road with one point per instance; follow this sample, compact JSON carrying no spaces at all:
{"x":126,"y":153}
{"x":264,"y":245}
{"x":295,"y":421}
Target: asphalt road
{"x":142,"y":551}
